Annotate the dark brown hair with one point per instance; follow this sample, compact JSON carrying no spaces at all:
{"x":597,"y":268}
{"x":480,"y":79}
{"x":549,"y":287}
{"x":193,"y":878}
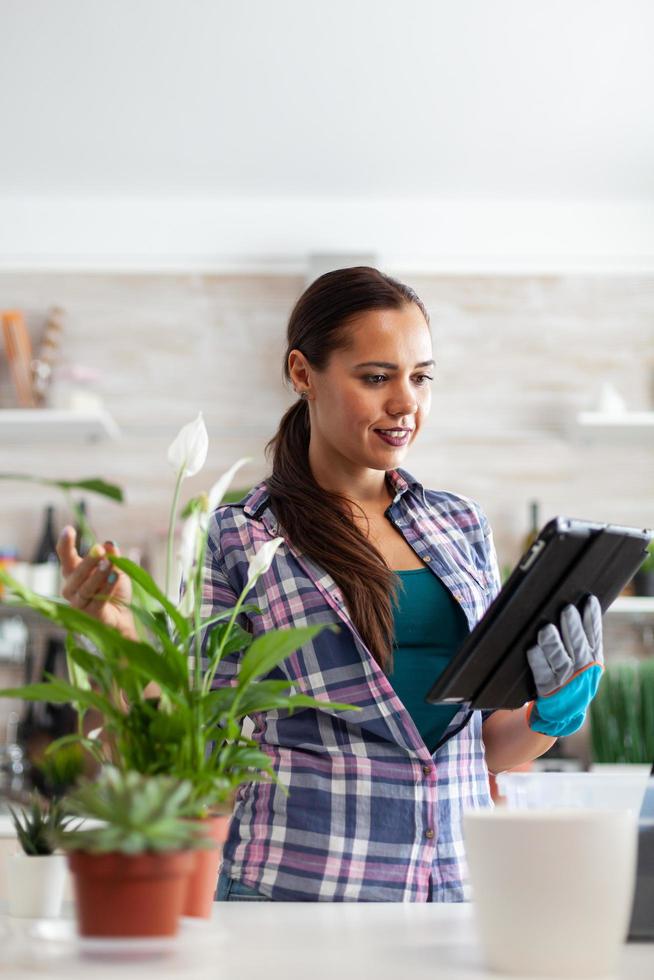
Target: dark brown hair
{"x":319,"y":522}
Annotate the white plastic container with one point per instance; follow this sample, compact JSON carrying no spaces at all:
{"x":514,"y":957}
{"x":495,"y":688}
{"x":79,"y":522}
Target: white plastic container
{"x":35,"y":885}
{"x":570,"y":917}
{"x":549,"y":790}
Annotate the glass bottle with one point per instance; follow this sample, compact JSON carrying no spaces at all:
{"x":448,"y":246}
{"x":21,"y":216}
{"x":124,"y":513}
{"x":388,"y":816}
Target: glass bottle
{"x":46,"y":549}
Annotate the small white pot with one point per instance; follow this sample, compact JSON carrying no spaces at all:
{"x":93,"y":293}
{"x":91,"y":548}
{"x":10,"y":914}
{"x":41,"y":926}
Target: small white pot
{"x":35,"y":885}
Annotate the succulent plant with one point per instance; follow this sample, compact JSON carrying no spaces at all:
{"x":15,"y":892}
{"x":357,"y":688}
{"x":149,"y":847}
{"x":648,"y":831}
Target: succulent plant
{"x":38,"y":827}
{"x":138,"y":813}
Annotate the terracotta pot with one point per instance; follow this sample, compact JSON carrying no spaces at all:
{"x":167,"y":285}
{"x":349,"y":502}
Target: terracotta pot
{"x":203,"y":877}
{"x":129,"y":894}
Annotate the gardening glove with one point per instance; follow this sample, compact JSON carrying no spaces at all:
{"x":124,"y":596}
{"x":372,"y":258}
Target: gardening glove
{"x":567,"y":667}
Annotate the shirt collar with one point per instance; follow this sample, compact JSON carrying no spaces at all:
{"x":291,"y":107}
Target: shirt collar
{"x":401,"y":480}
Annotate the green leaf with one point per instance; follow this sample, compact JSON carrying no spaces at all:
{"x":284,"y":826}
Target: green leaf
{"x":90,"y":665}
{"x":239,"y":639}
{"x":92,"y":485}
{"x":254,"y":701}
{"x":258,"y":696}
{"x":93,"y":747}
{"x":194,"y":504}
{"x":147,"y":583}
{"x":220,"y":699}
{"x":108,"y":639}
{"x":153,"y":666}
{"x":142,"y":658}
{"x":57,"y":691}
{"x":171,"y":654}
{"x":37,"y":692}
{"x":225,"y":615}
{"x":270,"y":649}
{"x":246,"y":757}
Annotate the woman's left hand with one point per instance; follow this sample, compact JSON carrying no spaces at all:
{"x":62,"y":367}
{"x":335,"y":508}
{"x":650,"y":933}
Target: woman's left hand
{"x":567,"y":666}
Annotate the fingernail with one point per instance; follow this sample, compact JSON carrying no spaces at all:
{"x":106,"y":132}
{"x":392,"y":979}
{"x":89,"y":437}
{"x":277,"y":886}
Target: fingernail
{"x":96,"y":551}
{"x":63,"y":532}
{"x":103,"y":565}
{"x":112,"y":578}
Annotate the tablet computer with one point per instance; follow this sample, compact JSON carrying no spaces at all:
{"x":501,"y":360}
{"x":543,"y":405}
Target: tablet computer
{"x":569,"y":560}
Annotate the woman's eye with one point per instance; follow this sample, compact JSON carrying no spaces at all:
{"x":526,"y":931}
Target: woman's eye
{"x":372,"y":378}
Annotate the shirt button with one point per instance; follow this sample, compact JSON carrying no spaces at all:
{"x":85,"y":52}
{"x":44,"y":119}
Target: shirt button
{"x":429,"y":833}
{"x":427,"y":558}
{"x":427,"y":770}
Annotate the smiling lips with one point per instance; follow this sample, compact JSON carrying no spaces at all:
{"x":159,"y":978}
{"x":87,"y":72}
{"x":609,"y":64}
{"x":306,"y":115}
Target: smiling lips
{"x":394,"y":437}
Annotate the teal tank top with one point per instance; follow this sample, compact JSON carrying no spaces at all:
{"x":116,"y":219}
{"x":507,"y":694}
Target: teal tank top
{"x":430,"y":626}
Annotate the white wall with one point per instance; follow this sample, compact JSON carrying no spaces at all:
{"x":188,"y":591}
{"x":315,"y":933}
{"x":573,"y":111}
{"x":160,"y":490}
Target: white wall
{"x":517,"y":357}
{"x":484,"y":135}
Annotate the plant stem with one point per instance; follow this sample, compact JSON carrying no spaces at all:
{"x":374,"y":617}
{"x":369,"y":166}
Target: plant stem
{"x":171,"y":529}
{"x":211,"y":673}
{"x":84,"y":525}
{"x":197,"y":603}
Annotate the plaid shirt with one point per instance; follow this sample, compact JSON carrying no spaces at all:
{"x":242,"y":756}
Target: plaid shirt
{"x":371,"y":814}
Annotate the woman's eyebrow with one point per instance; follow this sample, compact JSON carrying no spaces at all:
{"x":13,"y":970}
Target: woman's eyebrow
{"x":387,"y":364}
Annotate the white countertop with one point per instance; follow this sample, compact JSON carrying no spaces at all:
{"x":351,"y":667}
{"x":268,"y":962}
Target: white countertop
{"x":285,"y":940}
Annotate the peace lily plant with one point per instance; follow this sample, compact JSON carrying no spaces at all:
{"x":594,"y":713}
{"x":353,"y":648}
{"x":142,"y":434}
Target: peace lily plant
{"x":191,"y":730}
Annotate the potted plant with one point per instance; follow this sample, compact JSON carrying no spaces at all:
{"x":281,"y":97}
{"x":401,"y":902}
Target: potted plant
{"x":190,"y":730}
{"x":644,"y":577}
{"x":58,"y":769}
{"x":130,"y":872}
{"x":622,"y":715}
{"x":36,"y":875}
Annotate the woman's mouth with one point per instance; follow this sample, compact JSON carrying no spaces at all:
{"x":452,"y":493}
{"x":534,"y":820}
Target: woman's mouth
{"x":394,"y":437}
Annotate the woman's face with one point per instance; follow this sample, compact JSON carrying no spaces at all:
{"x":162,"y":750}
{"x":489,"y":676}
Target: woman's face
{"x":382,"y":382}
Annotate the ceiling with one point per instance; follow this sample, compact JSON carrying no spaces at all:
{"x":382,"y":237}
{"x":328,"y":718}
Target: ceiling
{"x":473,"y":99}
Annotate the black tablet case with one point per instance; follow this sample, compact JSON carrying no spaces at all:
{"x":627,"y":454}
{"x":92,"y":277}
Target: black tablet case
{"x":569,"y":560}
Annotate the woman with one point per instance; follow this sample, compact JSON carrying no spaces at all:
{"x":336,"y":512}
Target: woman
{"x":375,"y":797}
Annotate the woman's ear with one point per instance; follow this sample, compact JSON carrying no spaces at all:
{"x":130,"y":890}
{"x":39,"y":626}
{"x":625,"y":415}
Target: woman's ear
{"x":298,"y":370}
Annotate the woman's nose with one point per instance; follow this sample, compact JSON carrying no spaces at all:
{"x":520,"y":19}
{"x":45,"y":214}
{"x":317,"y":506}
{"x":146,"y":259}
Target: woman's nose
{"x":402,"y":402}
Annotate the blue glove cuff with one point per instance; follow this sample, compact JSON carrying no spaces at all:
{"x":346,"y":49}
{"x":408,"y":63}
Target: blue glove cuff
{"x":563,"y":712}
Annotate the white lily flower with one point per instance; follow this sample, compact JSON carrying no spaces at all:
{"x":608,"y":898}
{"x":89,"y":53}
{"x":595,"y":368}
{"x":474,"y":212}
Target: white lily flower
{"x":262,"y":561}
{"x":188,"y":450}
{"x":188,"y":544}
{"x":218,"y":490}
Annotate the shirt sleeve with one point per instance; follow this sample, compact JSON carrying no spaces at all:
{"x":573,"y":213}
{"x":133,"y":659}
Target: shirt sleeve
{"x":219,"y":595}
{"x":493,"y":572}
{"x":492,"y":564}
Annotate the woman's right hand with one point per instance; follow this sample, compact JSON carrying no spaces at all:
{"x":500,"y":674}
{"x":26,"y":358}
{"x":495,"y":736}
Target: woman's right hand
{"x":94,"y":585}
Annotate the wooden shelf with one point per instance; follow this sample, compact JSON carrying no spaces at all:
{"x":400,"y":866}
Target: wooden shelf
{"x":622,"y":427}
{"x":35,"y":425}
